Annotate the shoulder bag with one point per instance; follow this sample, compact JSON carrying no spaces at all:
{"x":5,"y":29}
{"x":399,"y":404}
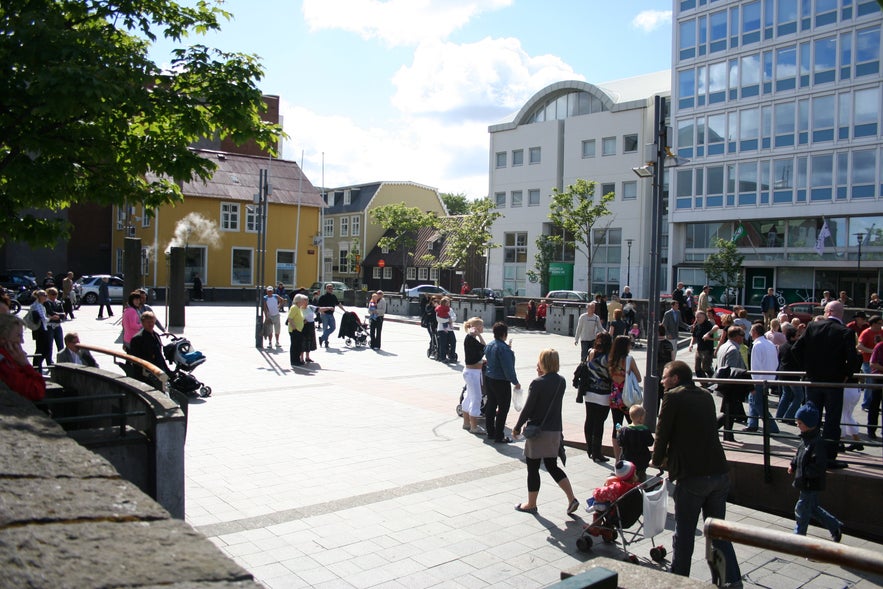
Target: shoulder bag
{"x":533,"y":430}
{"x":632,"y":394}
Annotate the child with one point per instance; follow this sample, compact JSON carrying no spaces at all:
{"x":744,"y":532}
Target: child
{"x":808,"y":468}
{"x":635,"y":441}
{"x":635,"y":332}
{"x":621,"y":482}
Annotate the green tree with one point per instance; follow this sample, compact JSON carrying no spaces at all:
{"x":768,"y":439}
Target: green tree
{"x":576,"y":211}
{"x":401,"y":223}
{"x":547,"y":246}
{"x":86,"y":116}
{"x":468,"y":236}
{"x":724,"y":267}
{"x":456,"y":204}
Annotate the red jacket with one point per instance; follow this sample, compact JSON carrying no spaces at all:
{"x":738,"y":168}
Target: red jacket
{"x":22,"y":378}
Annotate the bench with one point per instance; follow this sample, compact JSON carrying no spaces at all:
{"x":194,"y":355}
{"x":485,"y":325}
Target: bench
{"x":520,"y":316}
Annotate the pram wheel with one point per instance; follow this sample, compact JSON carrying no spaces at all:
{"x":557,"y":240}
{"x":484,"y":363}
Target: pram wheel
{"x":658,"y":553}
{"x":459,"y":410}
{"x":205,"y":392}
{"x":631,"y":558}
{"x":584,"y":543}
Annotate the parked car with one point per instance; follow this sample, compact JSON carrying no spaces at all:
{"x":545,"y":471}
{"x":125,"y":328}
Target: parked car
{"x":425,"y":289}
{"x":14,"y":282}
{"x":339,"y":288}
{"x":803,"y":311}
{"x":87,"y":288}
{"x":568,"y":295}
{"x":487,"y":293}
{"x":715,"y":314}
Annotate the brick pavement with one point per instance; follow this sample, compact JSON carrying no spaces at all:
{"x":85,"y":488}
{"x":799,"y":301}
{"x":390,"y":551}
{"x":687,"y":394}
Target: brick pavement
{"x":356,"y":473}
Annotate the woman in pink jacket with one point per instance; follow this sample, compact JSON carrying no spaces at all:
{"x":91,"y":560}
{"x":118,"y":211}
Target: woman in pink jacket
{"x":131,"y":318}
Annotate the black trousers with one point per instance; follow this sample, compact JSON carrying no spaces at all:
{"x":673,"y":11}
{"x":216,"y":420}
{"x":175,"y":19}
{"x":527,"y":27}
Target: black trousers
{"x":830,"y":403}
{"x":593,"y":428}
{"x":42,"y":347}
{"x":375,"y":328}
{"x":496,"y":410}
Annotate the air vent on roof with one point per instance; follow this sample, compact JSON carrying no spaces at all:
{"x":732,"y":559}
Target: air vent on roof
{"x":222,"y":157}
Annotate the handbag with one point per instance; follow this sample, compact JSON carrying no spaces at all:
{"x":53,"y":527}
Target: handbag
{"x":533,"y":430}
{"x":632,"y":393}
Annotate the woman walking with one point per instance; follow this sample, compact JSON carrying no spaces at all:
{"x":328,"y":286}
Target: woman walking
{"x":543,"y":408}
{"x":295,"y":323}
{"x":473,"y":358}
{"x":621,"y":363}
{"x":131,"y":318}
{"x":499,"y":378}
{"x":594,"y":390}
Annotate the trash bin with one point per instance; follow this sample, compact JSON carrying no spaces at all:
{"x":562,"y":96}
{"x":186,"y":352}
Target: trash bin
{"x":499,"y":313}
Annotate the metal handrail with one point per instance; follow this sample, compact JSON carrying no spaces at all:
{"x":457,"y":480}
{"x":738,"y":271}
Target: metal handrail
{"x":152,"y":369}
{"x":815,"y":549}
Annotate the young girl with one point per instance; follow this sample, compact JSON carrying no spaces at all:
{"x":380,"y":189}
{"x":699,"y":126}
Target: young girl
{"x":620,"y":362}
{"x":635,"y":333}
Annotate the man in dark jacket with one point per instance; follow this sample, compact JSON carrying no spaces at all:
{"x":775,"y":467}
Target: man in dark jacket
{"x":146,"y":343}
{"x":687,"y":445}
{"x":827,"y":353}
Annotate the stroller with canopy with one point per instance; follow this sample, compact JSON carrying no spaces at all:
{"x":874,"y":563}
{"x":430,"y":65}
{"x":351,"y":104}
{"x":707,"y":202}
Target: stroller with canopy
{"x":352,"y":330}
{"x":180,"y":353}
{"x":646,"y":506}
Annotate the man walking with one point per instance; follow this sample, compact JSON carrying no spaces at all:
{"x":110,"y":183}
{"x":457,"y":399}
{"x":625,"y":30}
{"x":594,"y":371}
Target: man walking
{"x":827,"y":353}
{"x":329,"y":299}
{"x":672,"y":323}
{"x":703,"y":338}
{"x":687,"y":445}
{"x":764,"y":358}
{"x":588,"y":326}
{"x":769,"y":304}
{"x":704,"y":304}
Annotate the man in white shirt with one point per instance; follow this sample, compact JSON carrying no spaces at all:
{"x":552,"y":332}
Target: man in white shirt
{"x":587,"y":329}
{"x":764,"y":357}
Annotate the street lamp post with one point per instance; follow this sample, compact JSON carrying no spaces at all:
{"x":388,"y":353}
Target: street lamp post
{"x":860,"y":237}
{"x":260,"y":204}
{"x":628,"y":261}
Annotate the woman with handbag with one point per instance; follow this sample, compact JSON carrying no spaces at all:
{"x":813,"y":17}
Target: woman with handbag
{"x":592,"y":381}
{"x":621,"y":365}
{"x":544,"y":431}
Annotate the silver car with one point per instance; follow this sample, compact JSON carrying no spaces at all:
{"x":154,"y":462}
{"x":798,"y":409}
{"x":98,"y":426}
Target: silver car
{"x":87,"y":288}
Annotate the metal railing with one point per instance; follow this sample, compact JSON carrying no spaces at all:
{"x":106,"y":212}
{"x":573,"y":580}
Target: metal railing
{"x":861,"y":382}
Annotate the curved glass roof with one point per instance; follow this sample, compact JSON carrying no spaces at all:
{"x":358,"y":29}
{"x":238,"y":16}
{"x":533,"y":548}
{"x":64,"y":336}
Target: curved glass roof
{"x":561,"y":106}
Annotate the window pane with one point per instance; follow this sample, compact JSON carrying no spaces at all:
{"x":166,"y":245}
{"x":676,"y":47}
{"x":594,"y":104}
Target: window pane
{"x":241,"y":269}
{"x":630,"y":143}
{"x":608,"y":146}
{"x":535,"y":155}
{"x":589,"y":148}
{"x":518,"y":157}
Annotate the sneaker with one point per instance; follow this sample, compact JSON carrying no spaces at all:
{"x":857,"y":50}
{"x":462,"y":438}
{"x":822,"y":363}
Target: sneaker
{"x":478,"y":430}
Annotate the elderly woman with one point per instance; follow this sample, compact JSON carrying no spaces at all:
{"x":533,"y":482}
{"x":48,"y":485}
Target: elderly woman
{"x":15,"y":370}
{"x":295,"y":323}
{"x":543,"y":408}
{"x":473,"y":358}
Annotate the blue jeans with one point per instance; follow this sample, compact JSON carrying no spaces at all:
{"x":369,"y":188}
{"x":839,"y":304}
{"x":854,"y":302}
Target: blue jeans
{"x":755,"y":407}
{"x":808,"y":508}
{"x":707,"y":494}
{"x":790,"y":401}
{"x":328,"y":326}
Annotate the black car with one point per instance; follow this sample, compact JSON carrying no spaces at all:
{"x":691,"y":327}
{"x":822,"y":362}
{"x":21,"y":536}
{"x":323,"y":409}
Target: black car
{"x":16,"y":282}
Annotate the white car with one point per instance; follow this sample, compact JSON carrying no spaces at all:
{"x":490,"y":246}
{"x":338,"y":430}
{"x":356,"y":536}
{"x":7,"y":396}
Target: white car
{"x":87,"y":288}
{"x":425,"y":289}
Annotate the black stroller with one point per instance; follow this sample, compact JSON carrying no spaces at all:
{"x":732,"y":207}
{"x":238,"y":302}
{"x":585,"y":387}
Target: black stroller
{"x":352,"y":330}
{"x":645,"y":505}
{"x":180,"y":353}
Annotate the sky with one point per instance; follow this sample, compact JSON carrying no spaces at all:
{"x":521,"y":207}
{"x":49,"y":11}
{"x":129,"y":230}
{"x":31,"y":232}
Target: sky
{"x":404,"y":90}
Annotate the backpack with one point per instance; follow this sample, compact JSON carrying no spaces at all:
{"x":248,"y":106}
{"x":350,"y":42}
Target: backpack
{"x":31,"y":322}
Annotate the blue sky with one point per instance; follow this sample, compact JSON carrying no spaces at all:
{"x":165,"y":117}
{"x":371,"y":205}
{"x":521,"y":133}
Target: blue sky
{"x":406,"y":89}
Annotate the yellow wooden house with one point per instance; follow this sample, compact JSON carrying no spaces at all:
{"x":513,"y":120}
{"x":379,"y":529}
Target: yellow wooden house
{"x":218,"y":224}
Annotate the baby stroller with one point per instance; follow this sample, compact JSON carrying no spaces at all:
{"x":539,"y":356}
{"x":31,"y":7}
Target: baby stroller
{"x":645,"y":505}
{"x":180,"y":353}
{"x":352,"y":330}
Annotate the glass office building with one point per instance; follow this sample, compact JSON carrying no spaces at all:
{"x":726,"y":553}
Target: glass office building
{"x":777,"y":105}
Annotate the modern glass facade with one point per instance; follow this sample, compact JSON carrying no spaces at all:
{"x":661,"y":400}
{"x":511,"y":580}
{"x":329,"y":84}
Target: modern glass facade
{"x":777,"y":105}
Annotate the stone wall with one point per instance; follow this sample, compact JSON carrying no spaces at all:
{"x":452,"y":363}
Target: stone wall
{"x":67,"y":518}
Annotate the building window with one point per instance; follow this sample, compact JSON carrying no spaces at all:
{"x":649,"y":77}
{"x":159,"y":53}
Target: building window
{"x":589,"y":148}
{"x":119,"y":261}
{"x":535,"y":155}
{"x":146,"y":214}
{"x":514,"y":262}
{"x":285,"y":267}
{"x":121,"y":217}
{"x":500,"y":198}
{"x":607,"y":260}
{"x":384,"y":250}
{"x":387,"y":273}
{"x":241,"y":266}
{"x":343,"y":261}
{"x":629,"y":190}
{"x":347,"y":197}
{"x":329,"y":227}
{"x":433,"y":274}
{"x":412,"y":273}
{"x":423,"y":273}
{"x":344,"y":226}
{"x":630,"y":143}
{"x":230,"y":218}
{"x":501,"y":159}
{"x":195,"y":261}
{"x":251,"y":218}
{"x":376,"y":272}
{"x":518,"y":157}
{"x":355,"y":225}
{"x":516,"y":198}
{"x":608,"y":146}
{"x":533,"y":198}
{"x":608,"y":188}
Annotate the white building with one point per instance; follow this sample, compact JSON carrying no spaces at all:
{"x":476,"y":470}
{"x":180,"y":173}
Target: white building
{"x":567,"y":131}
{"x":778,"y":104}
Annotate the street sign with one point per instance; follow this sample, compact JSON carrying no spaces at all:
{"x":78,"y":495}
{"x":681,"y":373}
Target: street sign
{"x":381,"y":264}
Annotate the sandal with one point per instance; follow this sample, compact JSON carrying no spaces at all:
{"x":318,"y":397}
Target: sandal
{"x":525,"y":509}
{"x":574,"y":505}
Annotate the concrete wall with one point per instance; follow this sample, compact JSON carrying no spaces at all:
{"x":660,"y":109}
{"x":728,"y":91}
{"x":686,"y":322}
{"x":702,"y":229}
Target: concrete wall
{"x":68,"y":519}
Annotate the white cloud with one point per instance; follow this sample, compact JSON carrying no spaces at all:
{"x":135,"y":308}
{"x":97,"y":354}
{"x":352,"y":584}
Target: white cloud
{"x":483,"y":80}
{"x":396,"y":22}
{"x":649,"y":20}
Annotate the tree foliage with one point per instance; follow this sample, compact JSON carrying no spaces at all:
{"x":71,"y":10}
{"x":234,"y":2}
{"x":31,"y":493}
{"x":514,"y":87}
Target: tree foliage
{"x":547,"y":246}
{"x":401,"y":224}
{"x":456,"y":204}
{"x":725,"y":266}
{"x":468,"y":236}
{"x":86,"y":116}
{"x":577,"y":211}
